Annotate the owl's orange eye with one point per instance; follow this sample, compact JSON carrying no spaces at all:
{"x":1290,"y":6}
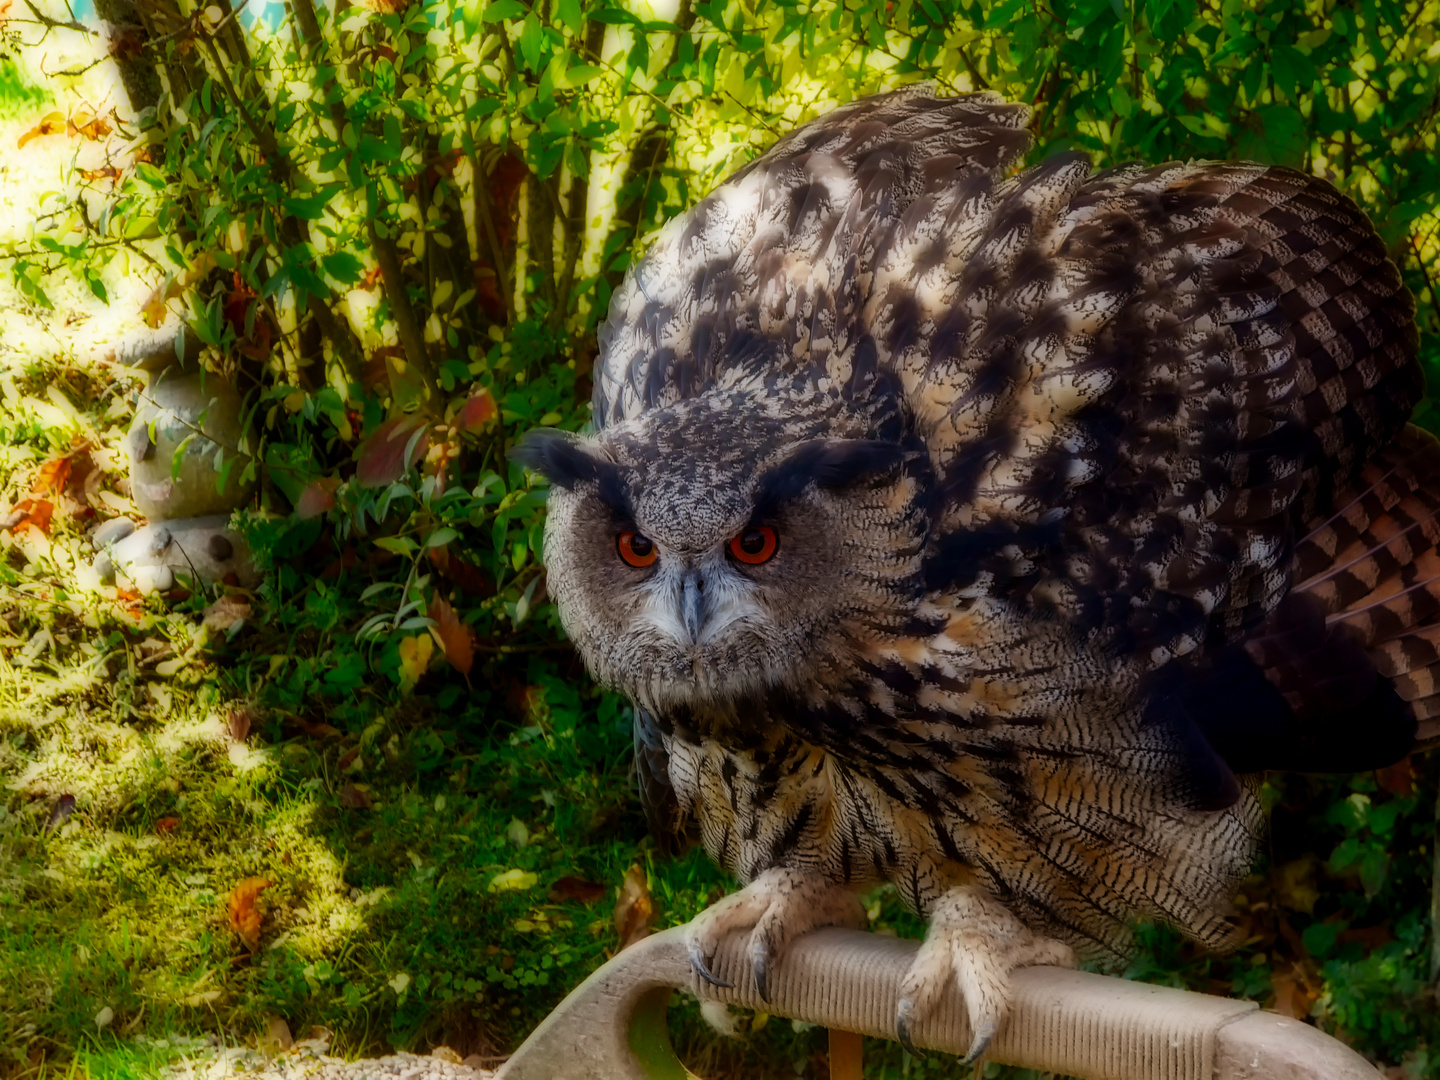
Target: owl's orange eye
{"x":637,"y":550}
{"x":755,"y":546}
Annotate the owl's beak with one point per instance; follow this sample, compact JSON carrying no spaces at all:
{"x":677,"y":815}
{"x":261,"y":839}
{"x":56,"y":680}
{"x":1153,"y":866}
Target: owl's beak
{"x":694,"y":605}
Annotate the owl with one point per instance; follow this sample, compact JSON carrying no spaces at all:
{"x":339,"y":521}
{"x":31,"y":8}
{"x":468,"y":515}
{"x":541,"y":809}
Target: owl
{"x":989,"y":532}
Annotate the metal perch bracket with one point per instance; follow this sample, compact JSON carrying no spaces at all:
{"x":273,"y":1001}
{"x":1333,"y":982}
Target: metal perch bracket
{"x":1067,"y":1022}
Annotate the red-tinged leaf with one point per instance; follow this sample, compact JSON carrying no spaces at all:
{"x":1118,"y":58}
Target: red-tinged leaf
{"x":479,"y":409}
{"x":237,"y":310}
{"x":344,"y":561}
{"x":347,"y":757}
{"x":634,"y":909}
{"x":372,"y":276}
{"x":487,"y":293}
{"x":453,"y":636}
{"x":1397,"y":779}
{"x":391,"y":450}
{"x":244,"y":915}
{"x":574,"y":888}
{"x":167,"y":825}
{"x":354,"y":797}
{"x":317,"y":498}
{"x":468,"y":577}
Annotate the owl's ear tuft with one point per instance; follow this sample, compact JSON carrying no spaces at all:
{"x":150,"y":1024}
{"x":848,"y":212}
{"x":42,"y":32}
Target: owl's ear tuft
{"x":566,"y":461}
{"x":827,"y":463}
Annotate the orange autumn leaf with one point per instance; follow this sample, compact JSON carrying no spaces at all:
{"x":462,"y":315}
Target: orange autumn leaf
{"x":50,"y":124}
{"x":634,"y":908}
{"x":109,"y":172}
{"x":454,"y":637}
{"x":53,"y":475}
{"x":88,"y":126}
{"x":35,"y":513}
{"x":244,"y":916}
{"x":166,"y":825}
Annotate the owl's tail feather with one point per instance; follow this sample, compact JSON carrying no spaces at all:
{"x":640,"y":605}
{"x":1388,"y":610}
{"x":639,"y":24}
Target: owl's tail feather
{"x":1373,"y":569}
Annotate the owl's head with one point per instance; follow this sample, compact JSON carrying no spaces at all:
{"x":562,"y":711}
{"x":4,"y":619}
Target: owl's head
{"x":716,"y":550}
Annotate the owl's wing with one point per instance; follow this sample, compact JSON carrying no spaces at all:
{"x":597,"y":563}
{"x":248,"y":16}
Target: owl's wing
{"x":784,"y":249}
{"x":1149,"y":396}
{"x":657,"y":795}
{"x":1152,"y":381}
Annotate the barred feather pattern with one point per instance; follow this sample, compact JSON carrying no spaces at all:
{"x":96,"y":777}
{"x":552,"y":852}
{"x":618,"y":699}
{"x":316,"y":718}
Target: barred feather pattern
{"x":1135,"y":410}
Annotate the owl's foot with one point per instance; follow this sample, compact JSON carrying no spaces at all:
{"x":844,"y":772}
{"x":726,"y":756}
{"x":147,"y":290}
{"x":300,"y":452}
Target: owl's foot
{"x":777,"y":907}
{"x":977,"y":941}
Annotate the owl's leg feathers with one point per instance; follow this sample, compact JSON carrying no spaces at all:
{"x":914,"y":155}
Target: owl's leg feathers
{"x":979,"y":942}
{"x":778,"y":906}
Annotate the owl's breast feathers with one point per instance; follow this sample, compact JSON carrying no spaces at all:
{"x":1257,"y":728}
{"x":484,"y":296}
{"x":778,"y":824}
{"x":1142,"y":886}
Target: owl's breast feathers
{"x":1177,"y":528}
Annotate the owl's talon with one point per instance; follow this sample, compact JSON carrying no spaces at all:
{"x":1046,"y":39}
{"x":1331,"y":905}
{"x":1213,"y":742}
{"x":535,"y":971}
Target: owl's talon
{"x":778,"y":906}
{"x":697,"y":962}
{"x":980,"y":1043}
{"x":974,"y":943}
{"x":760,"y":959}
{"x":903,"y":1014}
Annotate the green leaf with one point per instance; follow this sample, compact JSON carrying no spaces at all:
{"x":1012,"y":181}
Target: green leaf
{"x":532,"y":39}
{"x":581,"y":74}
{"x":503,"y":10}
{"x":344,"y":266}
{"x":309,"y":207}
{"x":572,"y":17}
{"x":397,"y":545}
{"x":1274,"y":135}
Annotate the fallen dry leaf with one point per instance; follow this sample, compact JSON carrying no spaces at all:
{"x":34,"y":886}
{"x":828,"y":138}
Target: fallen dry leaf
{"x":52,"y":475}
{"x":244,"y":916}
{"x":88,"y":126}
{"x":224,"y":613}
{"x":166,"y":825}
{"x":1293,"y":997}
{"x":64,"y":807}
{"x":574,"y":888}
{"x":34,"y":513}
{"x":50,"y":124}
{"x":634,"y":909}
{"x":354,"y":798}
{"x":277,"y":1038}
{"x":415,"y":653}
{"x":455,"y":638}
{"x":238,"y":721}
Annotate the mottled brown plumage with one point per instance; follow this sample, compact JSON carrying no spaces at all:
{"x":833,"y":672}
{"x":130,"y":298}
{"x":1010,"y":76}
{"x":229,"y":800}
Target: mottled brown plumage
{"x":1093,"y":496}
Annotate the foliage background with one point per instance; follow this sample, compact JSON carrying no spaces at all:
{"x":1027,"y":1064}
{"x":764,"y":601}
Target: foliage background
{"x":395,"y":226}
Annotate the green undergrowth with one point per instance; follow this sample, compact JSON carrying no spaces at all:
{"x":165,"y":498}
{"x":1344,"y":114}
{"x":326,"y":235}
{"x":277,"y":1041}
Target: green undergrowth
{"x":444,"y":859}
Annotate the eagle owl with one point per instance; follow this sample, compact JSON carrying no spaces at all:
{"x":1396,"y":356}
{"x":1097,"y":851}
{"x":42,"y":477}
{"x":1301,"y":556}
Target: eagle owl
{"x":988,"y":531}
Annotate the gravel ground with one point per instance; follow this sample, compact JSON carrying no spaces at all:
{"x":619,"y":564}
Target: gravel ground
{"x":307,"y":1061}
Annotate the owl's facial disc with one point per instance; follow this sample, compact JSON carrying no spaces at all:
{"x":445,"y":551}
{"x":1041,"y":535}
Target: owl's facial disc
{"x":701,"y":566}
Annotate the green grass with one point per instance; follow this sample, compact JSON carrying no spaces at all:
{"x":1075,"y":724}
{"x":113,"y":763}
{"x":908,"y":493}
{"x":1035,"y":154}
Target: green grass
{"x":18,"y":96}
